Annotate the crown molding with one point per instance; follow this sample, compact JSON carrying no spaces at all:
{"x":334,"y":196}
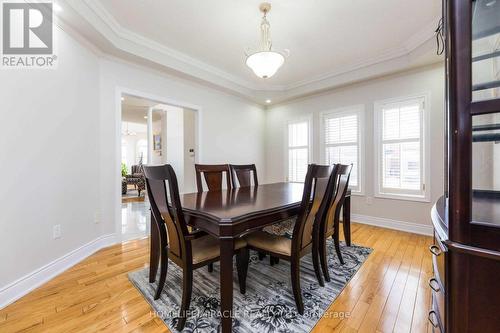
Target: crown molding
{"x":131,"y":43}
{"x":136,"y":45}
{"x":414,"y":42}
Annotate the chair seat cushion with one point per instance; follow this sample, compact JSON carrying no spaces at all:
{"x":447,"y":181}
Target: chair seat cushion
{"x":208,"y":247}
{"x":283,"y":228}
{"x":271,"y":243}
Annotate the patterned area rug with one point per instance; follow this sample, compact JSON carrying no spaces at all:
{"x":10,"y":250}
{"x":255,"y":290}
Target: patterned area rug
{"x":267,"y":306}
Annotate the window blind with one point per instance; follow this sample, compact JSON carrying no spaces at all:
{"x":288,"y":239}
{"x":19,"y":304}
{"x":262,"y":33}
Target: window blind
{"x":341,"y":140}
{"x":401,"y":147}
{"x":298,"y":151}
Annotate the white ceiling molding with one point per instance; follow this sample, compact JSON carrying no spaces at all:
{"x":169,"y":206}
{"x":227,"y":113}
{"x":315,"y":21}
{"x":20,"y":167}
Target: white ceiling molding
{"x":411,"y":44}
{"x":391,"y":66}
{"x":125,"y":41}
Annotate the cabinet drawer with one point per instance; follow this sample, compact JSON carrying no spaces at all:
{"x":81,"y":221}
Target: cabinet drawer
{"x":438,"y":299}
{"x":439,"y":252}
{"x":435,"y":316}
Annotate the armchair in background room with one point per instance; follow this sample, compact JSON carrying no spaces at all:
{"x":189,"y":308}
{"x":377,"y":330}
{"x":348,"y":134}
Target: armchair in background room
{"x":136,"y":178}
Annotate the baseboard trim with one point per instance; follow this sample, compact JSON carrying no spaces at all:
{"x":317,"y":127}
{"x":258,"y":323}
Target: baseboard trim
{"x":17,"y":289}
{"x":415,"y":228}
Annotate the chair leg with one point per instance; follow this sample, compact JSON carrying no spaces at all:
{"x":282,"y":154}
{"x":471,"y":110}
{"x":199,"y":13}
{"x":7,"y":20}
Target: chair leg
{"x":262,"y":255}
{"x":187,"y":288}
{"x":242,"y":259}
{"x":163,"y":272}
{"x":337,"y":246}
{"x":276,"y":260}
{"x":297,"y":293}
{"x":323,"y":258}
{"x":315,"y":257}
{"x":210,"y":267}
{"x":272,"y":260}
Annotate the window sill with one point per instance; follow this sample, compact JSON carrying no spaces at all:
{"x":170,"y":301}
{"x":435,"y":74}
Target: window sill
{"x":402,"y":197}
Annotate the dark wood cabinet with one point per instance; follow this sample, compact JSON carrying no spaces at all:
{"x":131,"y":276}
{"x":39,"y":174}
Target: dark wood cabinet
{"x":466,"y":252}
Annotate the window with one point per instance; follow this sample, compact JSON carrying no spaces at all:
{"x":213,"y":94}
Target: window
{"x":142,"y":151}
{"x":124,"y":152}
{"x":401,"y":148}
{"x":341,"y":140}
{"x":298,"y":150}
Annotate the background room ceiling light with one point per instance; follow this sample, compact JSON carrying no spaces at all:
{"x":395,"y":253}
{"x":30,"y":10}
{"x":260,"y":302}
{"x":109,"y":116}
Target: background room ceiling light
{"x":126,"y":132}
{"x":265,"y":62}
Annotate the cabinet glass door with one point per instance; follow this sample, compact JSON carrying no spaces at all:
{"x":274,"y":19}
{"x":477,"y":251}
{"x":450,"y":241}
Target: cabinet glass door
{"x":485,"y":49}
{"x":486,"y":168}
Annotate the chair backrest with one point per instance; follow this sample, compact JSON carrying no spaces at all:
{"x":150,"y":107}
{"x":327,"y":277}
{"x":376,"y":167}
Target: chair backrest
{"x":213,"y":176}
{"x":243,"y":174}
{"x":342,"y":176}
{"x":137,"y":168}
{"x":163,"y":193}
{"x":317,"y":193}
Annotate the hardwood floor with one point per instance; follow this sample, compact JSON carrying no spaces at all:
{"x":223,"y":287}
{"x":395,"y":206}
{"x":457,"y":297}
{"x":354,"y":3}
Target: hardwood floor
{"x":389,"y":293}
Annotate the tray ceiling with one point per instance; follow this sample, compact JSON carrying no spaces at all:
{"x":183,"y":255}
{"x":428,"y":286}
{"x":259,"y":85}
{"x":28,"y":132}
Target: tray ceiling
{"x":329,"y":41}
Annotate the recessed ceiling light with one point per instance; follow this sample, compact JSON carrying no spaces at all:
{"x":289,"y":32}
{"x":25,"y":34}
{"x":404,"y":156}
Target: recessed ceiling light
{"x":57,"y":7}
{"x":123,"y":98}
{"x":268,"y":101}
{"x":145,"y":117}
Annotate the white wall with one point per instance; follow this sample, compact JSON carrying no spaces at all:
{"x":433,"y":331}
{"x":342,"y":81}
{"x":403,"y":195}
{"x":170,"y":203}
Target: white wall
{"x":49,"y":144}
{"x":157,"y":156}
{"x":175,"y":142}
{"x":429,"y":79}
{"x":189,"y":157}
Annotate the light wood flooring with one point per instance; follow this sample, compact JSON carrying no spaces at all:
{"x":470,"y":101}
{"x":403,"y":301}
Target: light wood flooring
{"x":388,"y":294}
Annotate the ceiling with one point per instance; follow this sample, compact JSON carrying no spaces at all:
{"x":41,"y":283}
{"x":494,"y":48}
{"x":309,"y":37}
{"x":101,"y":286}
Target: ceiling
{"x":134,"y":109}
{"x":331,"y":42}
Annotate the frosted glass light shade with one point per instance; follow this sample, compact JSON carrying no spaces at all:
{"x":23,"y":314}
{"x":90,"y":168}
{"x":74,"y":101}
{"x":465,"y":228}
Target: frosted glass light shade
{"x":266,"y":63}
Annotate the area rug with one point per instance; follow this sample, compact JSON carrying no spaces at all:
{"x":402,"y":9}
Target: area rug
{"x":267,"y":306}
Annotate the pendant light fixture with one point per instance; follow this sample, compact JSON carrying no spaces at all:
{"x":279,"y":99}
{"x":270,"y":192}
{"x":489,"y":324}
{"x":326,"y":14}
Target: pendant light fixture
{"x":265,"y":62}
{"x":126,"y":132}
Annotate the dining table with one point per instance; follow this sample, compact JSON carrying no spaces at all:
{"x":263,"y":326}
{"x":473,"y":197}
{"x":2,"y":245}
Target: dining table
{"x":233,"y":213}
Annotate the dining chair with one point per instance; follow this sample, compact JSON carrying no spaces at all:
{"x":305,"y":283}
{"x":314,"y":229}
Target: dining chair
{"x":213,"y":175}
{"x":329,"y":226}
{"x":312,"y":208}
{"x":243,"y":174}
{"x":188,"y":250}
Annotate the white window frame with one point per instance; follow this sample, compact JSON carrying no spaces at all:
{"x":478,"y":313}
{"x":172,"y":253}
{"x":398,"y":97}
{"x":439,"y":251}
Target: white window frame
{"x":359,"y":110}
{"x":424,"y":194}
{"x":309,"y":146}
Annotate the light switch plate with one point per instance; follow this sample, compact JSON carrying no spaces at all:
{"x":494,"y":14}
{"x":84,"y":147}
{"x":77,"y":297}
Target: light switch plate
{"x":56,"y":231}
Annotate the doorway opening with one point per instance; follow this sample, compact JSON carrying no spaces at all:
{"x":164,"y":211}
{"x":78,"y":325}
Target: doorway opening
{"x":152,"y":133}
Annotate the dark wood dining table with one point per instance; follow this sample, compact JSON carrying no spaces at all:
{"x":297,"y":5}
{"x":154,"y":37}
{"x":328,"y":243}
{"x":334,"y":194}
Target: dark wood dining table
{"x":229,"y":214}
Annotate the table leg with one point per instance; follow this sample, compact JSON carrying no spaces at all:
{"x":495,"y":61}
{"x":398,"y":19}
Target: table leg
{"x":154,"y":251}
{"x":347,"y":220}
{"x":226,"y":283}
